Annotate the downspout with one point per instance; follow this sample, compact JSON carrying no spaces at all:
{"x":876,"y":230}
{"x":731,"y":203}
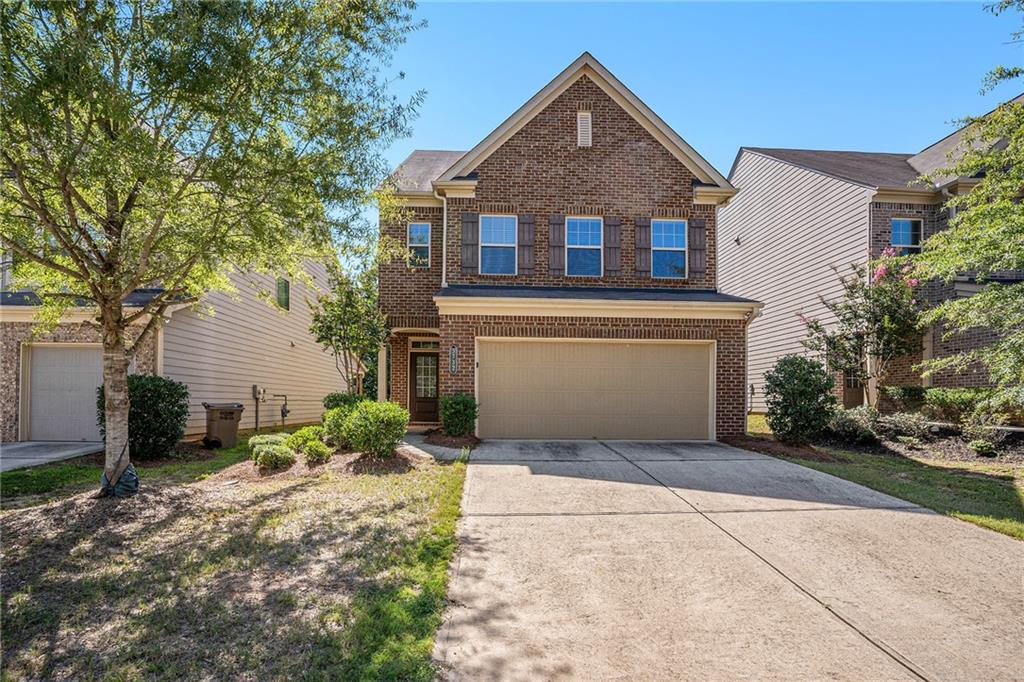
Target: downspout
{"x":444,"y":238}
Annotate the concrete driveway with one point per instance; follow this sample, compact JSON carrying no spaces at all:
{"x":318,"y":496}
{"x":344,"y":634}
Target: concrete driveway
{"x":34,"y":452}
{"x":643,"y":560}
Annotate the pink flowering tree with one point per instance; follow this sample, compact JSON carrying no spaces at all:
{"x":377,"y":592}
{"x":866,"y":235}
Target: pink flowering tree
{"x":875,"y":322}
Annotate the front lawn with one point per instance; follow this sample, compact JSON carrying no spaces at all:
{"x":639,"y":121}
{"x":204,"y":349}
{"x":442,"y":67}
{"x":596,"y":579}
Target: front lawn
{"x":335,"y":572}
{"x":986,"y":492}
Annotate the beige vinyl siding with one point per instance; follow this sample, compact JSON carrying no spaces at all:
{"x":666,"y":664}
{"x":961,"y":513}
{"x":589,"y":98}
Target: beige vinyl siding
{"x":794,"y":226}
{"x":248,"y":340}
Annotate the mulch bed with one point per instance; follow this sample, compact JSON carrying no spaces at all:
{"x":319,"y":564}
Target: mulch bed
{"x":767,"y":446}
{"x":439,"y":437}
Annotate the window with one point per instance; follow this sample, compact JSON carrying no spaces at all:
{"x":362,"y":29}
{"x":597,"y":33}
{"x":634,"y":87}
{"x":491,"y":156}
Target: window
{"x":419,"y":245}
{"x":583,"y":257}
{"x":668,"y":248}
{"x":498,"y":244}
{"x":584,"y":129}
{"x":283,"y":293}
{"x":906,"y":235}
{"x":426,"y":345}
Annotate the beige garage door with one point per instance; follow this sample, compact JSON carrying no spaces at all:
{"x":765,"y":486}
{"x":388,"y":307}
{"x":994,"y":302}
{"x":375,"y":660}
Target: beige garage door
{"x":62,"y":392}
{"x":581,"y":389}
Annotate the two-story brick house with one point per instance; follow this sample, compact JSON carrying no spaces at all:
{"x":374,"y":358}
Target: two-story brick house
{"x":564,"y":272}
{"x":801,"y":214}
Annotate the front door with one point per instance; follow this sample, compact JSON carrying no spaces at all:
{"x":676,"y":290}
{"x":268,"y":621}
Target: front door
{"x":423,"y":387}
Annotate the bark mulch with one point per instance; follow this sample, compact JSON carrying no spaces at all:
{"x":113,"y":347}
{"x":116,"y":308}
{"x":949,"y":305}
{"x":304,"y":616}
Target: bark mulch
{"x":439,"y":437}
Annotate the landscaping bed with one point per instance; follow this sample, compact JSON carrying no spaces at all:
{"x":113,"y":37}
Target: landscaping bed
{"x":337,"y":570}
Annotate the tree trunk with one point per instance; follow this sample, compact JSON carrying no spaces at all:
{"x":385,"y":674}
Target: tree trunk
{"x":871,"y":385}
{"x":115,"y":391}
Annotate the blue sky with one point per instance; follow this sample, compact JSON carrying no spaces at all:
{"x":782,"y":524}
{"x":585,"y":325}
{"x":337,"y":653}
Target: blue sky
{"x":865,"y":76}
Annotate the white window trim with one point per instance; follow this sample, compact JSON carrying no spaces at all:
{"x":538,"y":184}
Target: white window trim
{"x":599,"y":247}
{"x":514,"y":246}
{"x":685,"y":249}
{"x":892,"y":234}
{"x":409,"y":244}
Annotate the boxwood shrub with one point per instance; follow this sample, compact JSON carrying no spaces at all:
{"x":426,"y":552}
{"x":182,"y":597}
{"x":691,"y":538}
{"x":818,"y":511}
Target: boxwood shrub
{"x":340,"y":399}
{"x":274,"y":456}
{"x":798,"y":391}
{"x":156,"y":416}
{"x":458,"y":414}
{"x":317,"y":452}
{"x":304,"y":436}
{"x":376,"y":428}
{"x":266,"y":439}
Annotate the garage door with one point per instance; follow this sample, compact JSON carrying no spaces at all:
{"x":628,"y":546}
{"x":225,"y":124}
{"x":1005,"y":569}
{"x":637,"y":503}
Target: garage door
{"x":579,"y":389}
{"x":62,"y":392}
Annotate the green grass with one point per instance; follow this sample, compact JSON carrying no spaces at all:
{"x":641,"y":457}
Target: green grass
{"x":990,"y":495}
{"x":322,"y":574}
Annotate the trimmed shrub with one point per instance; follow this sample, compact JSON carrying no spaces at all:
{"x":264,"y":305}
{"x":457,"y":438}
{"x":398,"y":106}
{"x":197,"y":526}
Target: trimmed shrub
{"x":983,"y":427}
{"x":157,"y":415}
{"x":274,"y":456}
{"x":266,"y":439}
{"x":954,"y":404}
{"x":458,"y":414}
{"x":904,"y":398}
{"x":983,"y":448}
{"x":334,"y":425}
{"x":903,"y":424}
{"x":857,"y":425}
{"x":304,"y":436}
{"x":333,"y":400}
{"x":910,"y":442}
{"x":317,"y":452}
{"x":376,"y":428}
{"x":798,"y":391}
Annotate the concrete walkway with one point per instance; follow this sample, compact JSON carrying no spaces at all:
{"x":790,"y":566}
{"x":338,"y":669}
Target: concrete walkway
{"x":640,"y":560}
{"x":31,"y":453}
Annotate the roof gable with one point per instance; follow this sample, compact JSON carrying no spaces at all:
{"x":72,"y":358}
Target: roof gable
{"x":586,"y":65}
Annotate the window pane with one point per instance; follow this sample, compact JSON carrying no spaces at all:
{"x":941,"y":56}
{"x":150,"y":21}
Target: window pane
{"x":583,"y":232}
{"x":583,"y":262}
{"x":497,"y":229}
{"x":283,"y":293}
{"x":498,"y":260}
{"x":906,"y":232}
{"x":668,"y":264}
{"x":668,"y":234}
{"x":426,"y":376}
{"x":419,"y":256}
{"x":419,"y":234}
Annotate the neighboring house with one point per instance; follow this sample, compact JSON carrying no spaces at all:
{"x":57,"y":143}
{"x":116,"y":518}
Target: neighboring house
{"x":50,"y":382}
{"x":564,"y":271}
{"x":800,"y":213}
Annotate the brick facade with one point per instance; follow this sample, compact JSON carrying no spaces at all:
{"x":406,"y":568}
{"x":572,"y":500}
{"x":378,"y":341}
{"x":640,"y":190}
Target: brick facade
{"x":541,"y":171}
{"x":14,"y":334}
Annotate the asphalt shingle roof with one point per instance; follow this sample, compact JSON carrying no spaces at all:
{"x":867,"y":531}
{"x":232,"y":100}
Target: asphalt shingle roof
{"x":422,"y":167}
{"x":875,"y":169}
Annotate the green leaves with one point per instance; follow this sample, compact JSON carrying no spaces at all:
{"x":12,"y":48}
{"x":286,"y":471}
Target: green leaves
{"x":348,"y":322}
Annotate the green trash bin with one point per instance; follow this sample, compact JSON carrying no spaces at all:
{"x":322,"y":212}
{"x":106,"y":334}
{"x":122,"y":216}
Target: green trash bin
{"x":222,"y":424}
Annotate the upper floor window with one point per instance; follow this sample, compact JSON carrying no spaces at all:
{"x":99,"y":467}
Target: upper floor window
{"x":419,"y":245}
{"x":284,"y":293}
{"x":906,"y":235}
{"x":668,"y":248}
{"x":583,"y":252}
{"x":498,"y":244}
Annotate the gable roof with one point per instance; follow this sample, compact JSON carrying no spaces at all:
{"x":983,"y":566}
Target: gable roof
{"x":587,"y":65}
{"x":421,"y":168}
{"x":871,"y":169}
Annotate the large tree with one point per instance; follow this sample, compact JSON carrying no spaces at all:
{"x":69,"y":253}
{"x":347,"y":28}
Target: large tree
{"x":165,"y":143}
{"x":986,"y":236}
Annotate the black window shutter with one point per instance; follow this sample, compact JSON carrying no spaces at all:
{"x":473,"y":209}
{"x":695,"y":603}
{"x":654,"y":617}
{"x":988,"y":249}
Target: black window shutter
{"x":556,"y":244}
{"x":643,"y":246}
{"x":697,"y":248}
{"x":525,"y":241}
{"x":470,"y":242}
{"x":612,"y":246}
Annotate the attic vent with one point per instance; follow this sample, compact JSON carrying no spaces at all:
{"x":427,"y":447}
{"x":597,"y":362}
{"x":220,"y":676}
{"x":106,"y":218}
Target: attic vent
{"x":584,"y":129}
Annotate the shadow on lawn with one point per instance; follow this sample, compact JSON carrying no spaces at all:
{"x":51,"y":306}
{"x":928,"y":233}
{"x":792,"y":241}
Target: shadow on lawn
{"x":184,"y":582}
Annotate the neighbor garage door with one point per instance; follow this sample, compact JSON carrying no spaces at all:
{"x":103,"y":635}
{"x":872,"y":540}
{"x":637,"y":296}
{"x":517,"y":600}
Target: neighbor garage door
{"x":62,"y":392}
{"x":594,"y":389}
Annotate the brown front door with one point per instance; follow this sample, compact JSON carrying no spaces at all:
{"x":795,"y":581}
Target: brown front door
{"x":853,"y":391}
{"x":423,"y":387}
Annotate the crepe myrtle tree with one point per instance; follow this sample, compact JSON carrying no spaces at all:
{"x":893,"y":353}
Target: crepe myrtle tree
{"x":166,"y":143}
{"x":875,"y":322}
{"x":985,"y":237}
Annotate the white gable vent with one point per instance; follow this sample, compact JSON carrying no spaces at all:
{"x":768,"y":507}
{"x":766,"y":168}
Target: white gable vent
{"x":584,"y":129}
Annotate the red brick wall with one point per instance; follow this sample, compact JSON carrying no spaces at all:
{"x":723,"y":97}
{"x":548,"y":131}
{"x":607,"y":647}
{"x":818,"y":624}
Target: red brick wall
{"x":14,"y":334}
{"x":541,"y":171}
{"x":730,"y":367}
{"x":400,"y":369}
{"x":406,"y":294}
